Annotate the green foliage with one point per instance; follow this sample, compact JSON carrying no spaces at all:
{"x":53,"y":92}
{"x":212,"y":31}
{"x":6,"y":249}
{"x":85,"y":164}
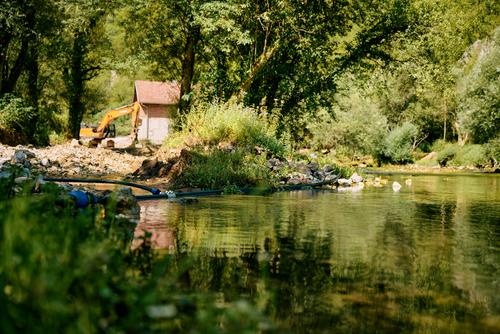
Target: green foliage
{"x":227,"y":123}
{"x":399,"y":144}
{"x":470,"y":155}
{"x":218,"y":169}
{"x":16,"y":119}
{"x":446,"y":153}
{"x":357,"y":128}
{"x":479,"y":91}
{"x":493,"y":151}
{"x":69,"y":270}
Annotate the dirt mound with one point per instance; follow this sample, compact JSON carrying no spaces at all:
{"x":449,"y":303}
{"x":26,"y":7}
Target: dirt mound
{"x":169,"y":170}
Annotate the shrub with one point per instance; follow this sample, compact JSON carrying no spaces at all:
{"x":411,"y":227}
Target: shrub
{"x":217,"y":123}
{"x":16,"y":120}
{"x":471,"y":156}
{"x":221,"y":169}
{"x":493,"y":151}
{"x":357,"y":128}
{"x":479,"y":91}
{"x":398,"y":145}
{"x":447,"y":153}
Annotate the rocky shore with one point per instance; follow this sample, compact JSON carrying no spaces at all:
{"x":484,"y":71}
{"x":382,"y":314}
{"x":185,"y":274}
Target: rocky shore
{"x":72,"y":160}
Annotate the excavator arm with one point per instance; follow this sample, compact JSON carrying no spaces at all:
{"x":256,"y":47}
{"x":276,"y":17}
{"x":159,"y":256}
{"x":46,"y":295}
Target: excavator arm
{"x":99,"y":133}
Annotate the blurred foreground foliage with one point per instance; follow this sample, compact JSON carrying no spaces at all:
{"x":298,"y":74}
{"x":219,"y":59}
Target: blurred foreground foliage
{"x":64,"y":269}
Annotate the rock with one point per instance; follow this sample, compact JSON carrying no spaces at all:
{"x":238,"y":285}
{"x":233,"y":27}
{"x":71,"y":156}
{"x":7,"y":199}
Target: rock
{"x":313,"y":166}
{"x":3,"y":161}
{"x":45,"y":162}
{"x":302,"y":168}
{"x":74,"y":143}
{"x":273,"y":162}
{"x":328,"y":169}
{"x":355,"y":178}
{"x":430,"y":156}
{"x":396,"y":186}
{"x":344,"y":182}
{"x":21,"y":179}
{"x":19,"y":157}
{"x":110,"y":144}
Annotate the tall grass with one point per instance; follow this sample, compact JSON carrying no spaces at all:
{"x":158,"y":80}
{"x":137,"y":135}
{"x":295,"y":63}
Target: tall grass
{"x":212,"y":124}
{"x":221,"y":169}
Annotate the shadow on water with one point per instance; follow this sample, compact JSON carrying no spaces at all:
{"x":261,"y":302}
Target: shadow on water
{"x":426,"y":259}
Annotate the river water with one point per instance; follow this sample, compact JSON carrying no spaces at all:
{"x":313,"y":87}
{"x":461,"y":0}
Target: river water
{"x":424,"y":259}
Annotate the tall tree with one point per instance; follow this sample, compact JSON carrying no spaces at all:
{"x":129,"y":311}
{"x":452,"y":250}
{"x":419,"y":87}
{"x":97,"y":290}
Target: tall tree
{"x":85,"y":38}
{"x":25,"y":28}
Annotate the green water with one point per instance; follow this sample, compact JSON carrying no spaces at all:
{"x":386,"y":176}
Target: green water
{"x":425,"y":259}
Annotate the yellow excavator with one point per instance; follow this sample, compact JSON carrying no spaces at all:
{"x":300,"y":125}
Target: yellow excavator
{"x":105,"y":129}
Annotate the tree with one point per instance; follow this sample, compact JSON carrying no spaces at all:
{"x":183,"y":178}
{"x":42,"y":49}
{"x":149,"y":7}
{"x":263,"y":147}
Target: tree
{"x":25,"y":28}
{"x":479,"y":91}
{"x":86,"y":42}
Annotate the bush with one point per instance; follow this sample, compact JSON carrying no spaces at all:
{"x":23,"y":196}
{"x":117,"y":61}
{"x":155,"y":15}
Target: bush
{"x":398,"y":145}
{"x":16,"y":120}
{"x":357,"y":128}
{"x":473,"y":155}
{"x":479,"y":91}
{"x":446,"y":153}
{"x":218,"y":169}
{"x":218,"y":123}
{"x":493,"y":151}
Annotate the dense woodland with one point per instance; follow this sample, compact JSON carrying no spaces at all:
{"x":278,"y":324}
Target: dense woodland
{"x":381,"y":78}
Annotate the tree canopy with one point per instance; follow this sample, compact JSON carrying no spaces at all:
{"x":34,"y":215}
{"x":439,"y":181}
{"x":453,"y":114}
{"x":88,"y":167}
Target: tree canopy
{"x":292,"y":59}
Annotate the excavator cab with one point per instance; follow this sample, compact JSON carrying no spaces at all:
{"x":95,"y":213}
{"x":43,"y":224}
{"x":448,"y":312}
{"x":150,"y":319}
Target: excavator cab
{"x":110,"y":131}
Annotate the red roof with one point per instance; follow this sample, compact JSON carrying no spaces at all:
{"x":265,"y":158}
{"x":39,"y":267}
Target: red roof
{"x":156,"y":92}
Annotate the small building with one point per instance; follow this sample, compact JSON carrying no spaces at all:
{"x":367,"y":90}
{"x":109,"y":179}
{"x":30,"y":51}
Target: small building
{"x":159,"y":104}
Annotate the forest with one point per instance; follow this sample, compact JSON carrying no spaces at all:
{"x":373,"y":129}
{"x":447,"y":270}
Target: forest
{"x":389,"y":79}
{"x":262,"y":214}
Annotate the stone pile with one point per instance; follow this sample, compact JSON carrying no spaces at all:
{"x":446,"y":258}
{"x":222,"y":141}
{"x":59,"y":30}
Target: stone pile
{"x":71,"y":160}
{"x":20,"y":174}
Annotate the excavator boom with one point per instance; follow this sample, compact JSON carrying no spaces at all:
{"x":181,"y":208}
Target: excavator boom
{"x":102,"y":130}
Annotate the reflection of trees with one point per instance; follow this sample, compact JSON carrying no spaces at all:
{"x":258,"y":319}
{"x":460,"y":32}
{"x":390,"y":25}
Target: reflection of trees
{"x":397,"y":262}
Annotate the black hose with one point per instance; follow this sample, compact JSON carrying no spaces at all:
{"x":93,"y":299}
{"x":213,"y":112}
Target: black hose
{"x":157,"y":194}
{"x":154,"y":191}
{"x":179,"y":194}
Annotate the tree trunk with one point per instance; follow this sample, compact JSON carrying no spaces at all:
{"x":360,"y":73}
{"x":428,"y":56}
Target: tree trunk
{"x":33,"y":92}
{"x":188,"y":62}
{"x":76,"y":82}
{"x":9,"y":78}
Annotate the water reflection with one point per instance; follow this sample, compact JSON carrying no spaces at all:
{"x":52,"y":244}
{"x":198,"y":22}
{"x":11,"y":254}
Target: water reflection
{"x":425,"y":259}
{"x":154,"y":224}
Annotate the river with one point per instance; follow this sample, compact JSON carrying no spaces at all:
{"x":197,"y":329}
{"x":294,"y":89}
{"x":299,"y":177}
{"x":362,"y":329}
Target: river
{"x":424,"y":259}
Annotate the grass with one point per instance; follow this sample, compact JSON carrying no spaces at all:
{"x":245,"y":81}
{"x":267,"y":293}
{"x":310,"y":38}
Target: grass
{"x":218,"y":169}
{"x":229,"y":146}
{"x":227,"y":123}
